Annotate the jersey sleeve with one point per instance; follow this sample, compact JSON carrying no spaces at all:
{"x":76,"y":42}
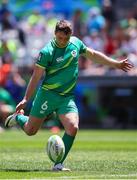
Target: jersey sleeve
{"x":43,"y":59}
{"x":83,"y":47}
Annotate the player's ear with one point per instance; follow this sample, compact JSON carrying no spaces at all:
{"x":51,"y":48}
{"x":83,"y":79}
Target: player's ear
{"x":55,"y":33}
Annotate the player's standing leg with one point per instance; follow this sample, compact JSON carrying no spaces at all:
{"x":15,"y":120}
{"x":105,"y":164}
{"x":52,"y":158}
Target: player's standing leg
{"x":70,"y":121}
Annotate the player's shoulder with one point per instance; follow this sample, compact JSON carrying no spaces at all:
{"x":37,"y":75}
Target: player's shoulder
{"x":48,"y":48}
{"x":75,"y":41}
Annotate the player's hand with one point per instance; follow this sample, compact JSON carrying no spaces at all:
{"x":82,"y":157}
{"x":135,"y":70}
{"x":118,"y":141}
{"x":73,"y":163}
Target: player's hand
{"x":21,"y":105}
{"x":125,"y":65}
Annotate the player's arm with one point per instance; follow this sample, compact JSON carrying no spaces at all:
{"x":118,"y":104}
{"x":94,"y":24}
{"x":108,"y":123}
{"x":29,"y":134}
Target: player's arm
{"x":36,"y":76}
{"x":101,"y":58}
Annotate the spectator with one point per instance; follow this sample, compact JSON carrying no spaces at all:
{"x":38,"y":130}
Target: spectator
{"x":96,"y":20}
{"x":4,"y":72}
{"x":109,"y":14}
{"x":7,"y":105}
{"x":8,"y":21}
{"x":94,"y":40}
{"x":78,"y":25}
{"x":15,"y":85}
{"x":5,"y":52}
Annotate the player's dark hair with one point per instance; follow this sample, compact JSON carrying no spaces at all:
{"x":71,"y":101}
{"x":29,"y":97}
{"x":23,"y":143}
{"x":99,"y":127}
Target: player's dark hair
{"x":64,"y":26}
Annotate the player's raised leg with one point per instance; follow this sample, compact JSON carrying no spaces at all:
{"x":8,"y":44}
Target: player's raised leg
{"x":29,"y":124}
{"x":11,"y":120}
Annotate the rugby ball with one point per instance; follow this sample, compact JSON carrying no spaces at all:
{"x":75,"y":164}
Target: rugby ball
{"x":55,"y":148}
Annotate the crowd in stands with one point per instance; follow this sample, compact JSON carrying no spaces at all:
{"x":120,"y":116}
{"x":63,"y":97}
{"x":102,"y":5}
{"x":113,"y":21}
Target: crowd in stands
{"x":22,"y":38}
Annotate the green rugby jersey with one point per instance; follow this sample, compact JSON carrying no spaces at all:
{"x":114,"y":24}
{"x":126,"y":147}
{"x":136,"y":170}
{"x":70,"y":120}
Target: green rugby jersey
{"x":61,"y":65}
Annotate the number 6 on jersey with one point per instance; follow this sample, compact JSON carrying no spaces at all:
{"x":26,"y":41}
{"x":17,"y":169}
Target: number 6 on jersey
{"x":44,"y":106}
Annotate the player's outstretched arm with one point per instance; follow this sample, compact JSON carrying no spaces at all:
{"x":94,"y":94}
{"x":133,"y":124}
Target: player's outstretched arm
{"x":37,"y":74}
{"x":101,"y":58}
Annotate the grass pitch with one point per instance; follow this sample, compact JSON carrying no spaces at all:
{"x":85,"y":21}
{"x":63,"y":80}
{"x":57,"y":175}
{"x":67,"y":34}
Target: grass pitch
{"x":95,"y":155}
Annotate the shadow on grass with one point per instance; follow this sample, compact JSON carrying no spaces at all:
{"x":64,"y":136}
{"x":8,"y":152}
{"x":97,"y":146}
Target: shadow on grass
{"x":26,"y":170}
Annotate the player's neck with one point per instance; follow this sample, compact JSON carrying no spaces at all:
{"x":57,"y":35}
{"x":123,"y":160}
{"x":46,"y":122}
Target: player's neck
{"x":58,"y":45}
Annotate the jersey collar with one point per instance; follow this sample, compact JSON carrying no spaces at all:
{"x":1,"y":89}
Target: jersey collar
{"x":55,"y":43}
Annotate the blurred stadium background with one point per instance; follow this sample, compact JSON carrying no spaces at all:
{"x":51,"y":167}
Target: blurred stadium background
{"x":106,"y":98}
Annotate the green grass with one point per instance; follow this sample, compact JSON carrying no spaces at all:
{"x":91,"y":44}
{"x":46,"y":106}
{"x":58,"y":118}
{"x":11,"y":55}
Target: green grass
{"x":95,"y":155}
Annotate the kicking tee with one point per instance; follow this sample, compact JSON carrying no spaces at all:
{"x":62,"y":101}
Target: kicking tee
{"x":61,"y":65}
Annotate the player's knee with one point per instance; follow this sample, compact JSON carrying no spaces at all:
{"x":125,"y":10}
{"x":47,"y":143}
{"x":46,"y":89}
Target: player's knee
{"x":31,"y":132}
{"x":72,"y":129}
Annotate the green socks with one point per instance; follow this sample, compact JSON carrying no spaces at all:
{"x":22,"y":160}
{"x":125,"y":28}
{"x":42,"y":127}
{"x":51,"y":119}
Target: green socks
{"x":67,"y":139}
{"x":68,"y":142}
{"x":21,"y":119}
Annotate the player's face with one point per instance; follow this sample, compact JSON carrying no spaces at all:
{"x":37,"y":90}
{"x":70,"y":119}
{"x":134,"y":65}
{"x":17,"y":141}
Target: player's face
{"x":62,"y":39}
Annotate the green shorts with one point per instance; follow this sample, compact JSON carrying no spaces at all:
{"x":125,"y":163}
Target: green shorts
{"x":47,"y":101}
